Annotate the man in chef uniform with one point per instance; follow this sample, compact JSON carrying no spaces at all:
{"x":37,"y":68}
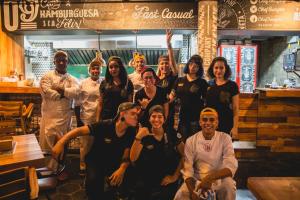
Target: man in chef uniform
{"x":209,"y":162}
{"x":58,"y":90}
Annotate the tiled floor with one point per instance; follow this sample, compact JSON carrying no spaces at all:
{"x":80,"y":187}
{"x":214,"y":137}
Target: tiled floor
{"x":73,"y":188}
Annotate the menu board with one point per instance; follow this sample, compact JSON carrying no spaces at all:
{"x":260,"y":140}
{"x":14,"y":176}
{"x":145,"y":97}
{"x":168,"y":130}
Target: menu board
{"x":259,"y":14}
{"x":90,"y":14}
{"x":56,"y":14}
{"x":230,"y":53}
{"x":248,"y":68}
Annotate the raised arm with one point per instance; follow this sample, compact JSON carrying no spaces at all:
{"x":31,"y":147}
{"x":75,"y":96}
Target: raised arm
{"x":172,"y":61}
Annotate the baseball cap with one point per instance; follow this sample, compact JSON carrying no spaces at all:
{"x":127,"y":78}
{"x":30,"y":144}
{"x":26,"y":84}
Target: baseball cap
{"x":125,"y":106}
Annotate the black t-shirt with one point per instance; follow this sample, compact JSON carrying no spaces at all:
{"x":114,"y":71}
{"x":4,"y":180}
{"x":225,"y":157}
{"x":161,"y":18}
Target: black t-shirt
{"x":219,"y":97}
{"x":158,"y":158}
{"x":167,"y":82}
{"x":192,"y":96}
{"x":107,"y":149}
{"x":113,"y":95}
{"x":160,"y":98}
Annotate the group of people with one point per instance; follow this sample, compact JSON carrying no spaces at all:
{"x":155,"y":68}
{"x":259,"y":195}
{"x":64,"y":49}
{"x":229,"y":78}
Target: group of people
{"x":129,"y":147}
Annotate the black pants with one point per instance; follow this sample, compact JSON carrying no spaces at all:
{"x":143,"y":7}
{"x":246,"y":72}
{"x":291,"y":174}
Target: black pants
{"x":97,"y":186}
{"x":94,"y":184}
{"x":188,"y":129}
{"x":145,"y":191}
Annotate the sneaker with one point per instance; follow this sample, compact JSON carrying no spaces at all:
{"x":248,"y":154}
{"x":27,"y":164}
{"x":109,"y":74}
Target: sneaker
{"x":62,"y":176}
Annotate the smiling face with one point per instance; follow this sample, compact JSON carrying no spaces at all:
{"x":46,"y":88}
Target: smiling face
{"x":164,"y":66}
{"x":139,"y":64}
{"x":219,"y":70}
{"x":60,"y":62}
{"x":148,"y":78}
{"x":156,"y":120}
{"x":95,"y":72}
{"x":114,"y":68}
{"x":208,"y":123}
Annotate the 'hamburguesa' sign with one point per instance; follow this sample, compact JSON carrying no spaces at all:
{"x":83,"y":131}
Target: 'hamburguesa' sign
{"x":53,"y":14}
{"x":88,"y":14}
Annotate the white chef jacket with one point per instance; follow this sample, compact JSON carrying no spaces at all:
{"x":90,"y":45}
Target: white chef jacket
{"x":88,"y":100}
{"x":203,"y":156}
{"x":56,"y":111}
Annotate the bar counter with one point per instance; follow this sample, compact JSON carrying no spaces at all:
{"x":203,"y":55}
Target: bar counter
{"x":288,"y":92}
{"x":19,"y":90}
{"x":278,"y":119}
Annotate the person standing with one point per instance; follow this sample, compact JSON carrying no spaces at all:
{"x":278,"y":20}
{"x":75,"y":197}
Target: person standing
{"x":190,"y":90}
{"x":223,"y":95}
{"x":114,"y":90}
{"x":86,"y":105}
{"x":150,"y":95}
{"x":167,"y":75}
{"x":58,"y":91}
{"x":139,"y":61}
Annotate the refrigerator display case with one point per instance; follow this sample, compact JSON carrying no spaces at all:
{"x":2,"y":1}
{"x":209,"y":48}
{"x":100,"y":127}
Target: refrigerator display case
{"x":242,"y":60}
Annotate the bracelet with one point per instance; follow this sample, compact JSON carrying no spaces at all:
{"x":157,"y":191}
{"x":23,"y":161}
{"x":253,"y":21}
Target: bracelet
{"x":138,"y":139}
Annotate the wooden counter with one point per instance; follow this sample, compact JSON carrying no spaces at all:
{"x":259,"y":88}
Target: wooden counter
{"x":269,"y":93}
{"x":278,"y":125}
{"x":274,"y":188}
{"x":20,"y":90}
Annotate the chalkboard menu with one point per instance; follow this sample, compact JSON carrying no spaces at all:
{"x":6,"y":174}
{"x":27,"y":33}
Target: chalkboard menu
{"x":71,"y":14}
{"x":56,"y":14}
{"x":259,"y":14}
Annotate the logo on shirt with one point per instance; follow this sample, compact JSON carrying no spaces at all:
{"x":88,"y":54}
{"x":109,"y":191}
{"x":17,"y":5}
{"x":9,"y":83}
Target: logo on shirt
{"x":180,"y":84}
{"x":107,"y":140}
{"x":207,"y":147}
{"x":194,"y":88}
{"x":150,"y":147}
{"x":179,"y":136}
{"x":224,"y":97}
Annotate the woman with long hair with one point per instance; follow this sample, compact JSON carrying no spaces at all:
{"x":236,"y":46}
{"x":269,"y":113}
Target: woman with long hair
{"x":223,"y":95}
{"x":115,"y":89}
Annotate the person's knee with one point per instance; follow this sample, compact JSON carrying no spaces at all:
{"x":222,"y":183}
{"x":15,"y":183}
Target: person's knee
{"x":227,"y":189}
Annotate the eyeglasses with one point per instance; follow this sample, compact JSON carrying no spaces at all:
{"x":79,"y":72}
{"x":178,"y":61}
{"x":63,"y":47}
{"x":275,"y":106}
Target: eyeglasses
{"x":206,"y":119}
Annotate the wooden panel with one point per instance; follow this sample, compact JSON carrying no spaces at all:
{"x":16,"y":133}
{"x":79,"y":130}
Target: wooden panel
{"x":248,"y":105}
{"x":11,"y":53}
{"x":248,"y":113}
{"x":275,"y":130}
{"x":293,"y":119}
{"x":278,"y":93}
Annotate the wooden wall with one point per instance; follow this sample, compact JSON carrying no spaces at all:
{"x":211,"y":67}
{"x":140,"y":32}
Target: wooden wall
{"x":248,"y":106}
{"x":271,"y":122}
{"x":11,"y":52}
{"x":279,"y":124}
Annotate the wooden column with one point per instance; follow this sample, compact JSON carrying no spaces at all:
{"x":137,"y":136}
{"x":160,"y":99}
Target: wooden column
{"x":11,"y":52}
{"x":207,"y":31}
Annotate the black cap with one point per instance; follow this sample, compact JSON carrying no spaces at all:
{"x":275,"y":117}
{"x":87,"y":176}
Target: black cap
{"x":125,"y":106}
